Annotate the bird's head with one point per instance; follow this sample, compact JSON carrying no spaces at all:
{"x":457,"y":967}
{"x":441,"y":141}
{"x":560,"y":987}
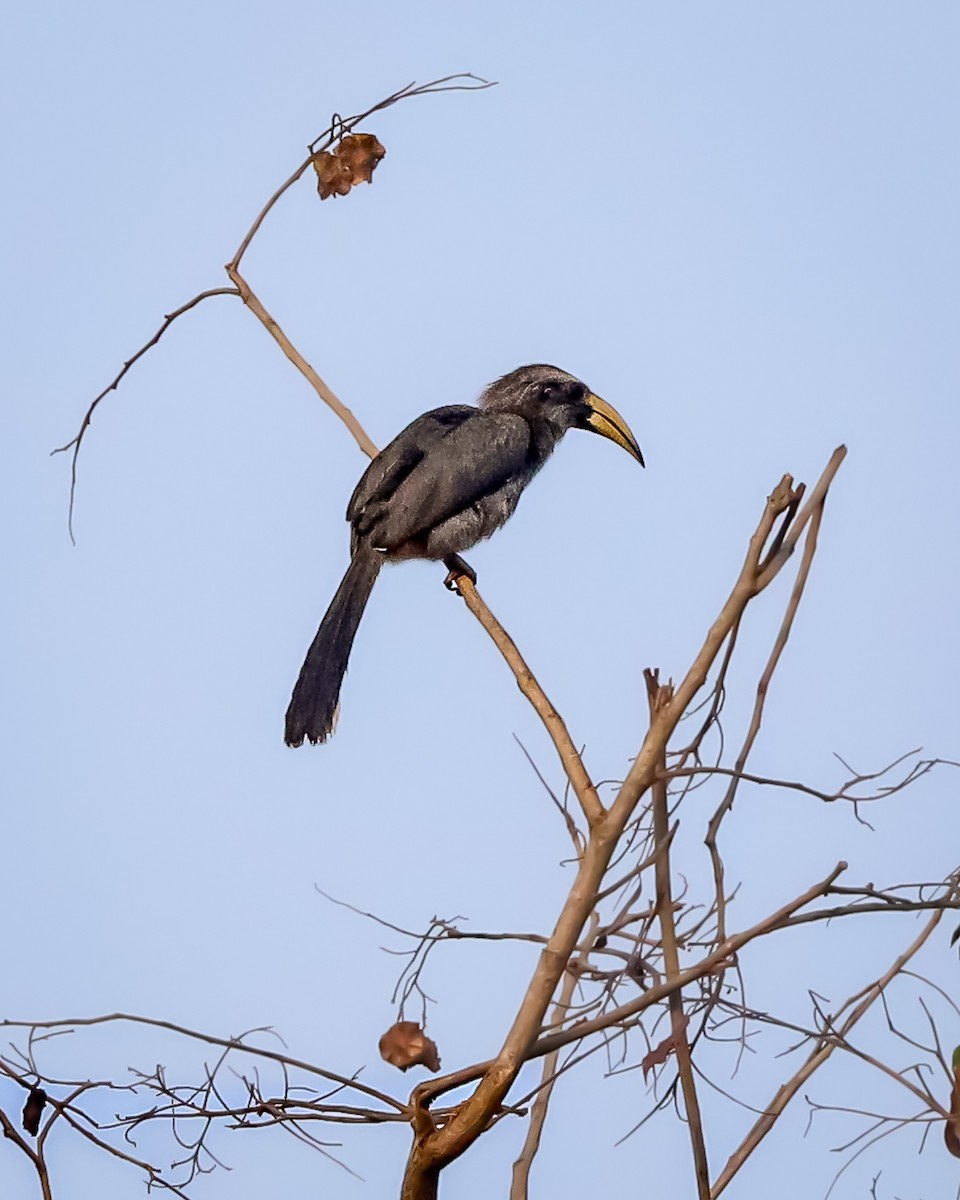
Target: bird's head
{"x":545,"y":393}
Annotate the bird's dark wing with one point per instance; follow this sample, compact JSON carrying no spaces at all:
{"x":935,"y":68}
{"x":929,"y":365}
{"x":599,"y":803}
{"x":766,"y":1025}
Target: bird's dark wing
{"x":397,"y":459}
{"x":452,"y":458}
{"x":475,"y":459}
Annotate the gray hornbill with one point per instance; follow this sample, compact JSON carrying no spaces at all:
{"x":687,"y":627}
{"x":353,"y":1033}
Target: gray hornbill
{"x":450,"y":478}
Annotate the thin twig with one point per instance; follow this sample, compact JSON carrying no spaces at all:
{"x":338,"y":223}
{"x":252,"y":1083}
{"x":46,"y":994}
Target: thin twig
{"x":212,"y":1040}
{"x":520,"y":1179}
{"x":659,"y":696}
{"x":919,"y":769}
{"x":817,"y":1058}
{"x":433,"y":1088}
{"x":763,"y":687}
{"x":573,"y":832}
{"x":77,"y":441}
{"x":335,"y":131}
{"x":748,"y":585}
{"x":339,"y":128}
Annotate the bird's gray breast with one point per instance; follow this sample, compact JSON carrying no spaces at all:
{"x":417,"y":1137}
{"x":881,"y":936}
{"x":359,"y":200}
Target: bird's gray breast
{"x":476,"y":522}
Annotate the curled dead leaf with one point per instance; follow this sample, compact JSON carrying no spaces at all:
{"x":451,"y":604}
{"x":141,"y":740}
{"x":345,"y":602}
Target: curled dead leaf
{"x":352,"y":161}
{"x":33,"y":1110}
{"x":405,"y":1045}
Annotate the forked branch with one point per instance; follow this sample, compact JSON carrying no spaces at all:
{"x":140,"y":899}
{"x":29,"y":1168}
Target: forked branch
{"x":338,"y":128}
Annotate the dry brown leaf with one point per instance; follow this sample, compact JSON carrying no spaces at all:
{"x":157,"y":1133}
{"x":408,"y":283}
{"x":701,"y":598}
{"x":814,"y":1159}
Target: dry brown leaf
{"x":33,"y":1110}
{"x":361,"y":153}
{"x":330,"y":177}
{"x":951,"y":1127}
{"x":659,"y":1054}
{"x":406,"y":1045}
{"x":354,"y":160}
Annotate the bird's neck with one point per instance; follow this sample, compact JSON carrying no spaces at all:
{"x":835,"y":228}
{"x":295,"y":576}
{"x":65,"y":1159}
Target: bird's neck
{"x":545,"y":436}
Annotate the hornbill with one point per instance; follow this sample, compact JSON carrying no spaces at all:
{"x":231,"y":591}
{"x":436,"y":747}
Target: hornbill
{"x":450,"y":478}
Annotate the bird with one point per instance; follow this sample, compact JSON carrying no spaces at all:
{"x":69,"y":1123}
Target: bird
{"x":447,"y":481}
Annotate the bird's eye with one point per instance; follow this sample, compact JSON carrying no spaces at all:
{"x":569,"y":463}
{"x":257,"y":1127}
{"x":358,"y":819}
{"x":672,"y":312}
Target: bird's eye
{"x":562,"y":392}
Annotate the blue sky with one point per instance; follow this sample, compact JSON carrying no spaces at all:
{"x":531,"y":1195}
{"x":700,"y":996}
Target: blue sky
{"x":738,"y":224}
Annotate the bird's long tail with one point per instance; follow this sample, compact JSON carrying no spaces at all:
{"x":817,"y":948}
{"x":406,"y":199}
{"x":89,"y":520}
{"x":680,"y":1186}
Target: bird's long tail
{"x":313,"y":705}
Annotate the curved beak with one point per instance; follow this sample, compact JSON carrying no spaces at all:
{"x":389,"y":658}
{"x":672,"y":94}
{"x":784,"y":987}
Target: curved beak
{"x":605,"y":420}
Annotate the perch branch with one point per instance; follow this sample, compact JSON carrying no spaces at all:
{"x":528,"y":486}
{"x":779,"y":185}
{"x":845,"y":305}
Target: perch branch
{"x":554,"y":724}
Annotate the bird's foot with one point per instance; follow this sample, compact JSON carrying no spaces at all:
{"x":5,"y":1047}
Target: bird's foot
{"x":457,"y":568}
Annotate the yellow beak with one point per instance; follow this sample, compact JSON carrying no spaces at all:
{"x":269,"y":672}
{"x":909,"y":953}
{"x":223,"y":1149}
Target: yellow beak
{"x":605,"y":420}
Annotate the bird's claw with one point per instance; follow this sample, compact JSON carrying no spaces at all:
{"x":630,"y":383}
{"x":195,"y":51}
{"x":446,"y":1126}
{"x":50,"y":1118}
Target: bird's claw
{"x":457,"y":568}
{"x":452,"y":581}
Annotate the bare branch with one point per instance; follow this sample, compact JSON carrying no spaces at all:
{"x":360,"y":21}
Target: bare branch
{"x":337,"y":129}
{"x":573,"y":832}
{"x":434,"y":1148}
{"x":212,"y":1040}
{"x":432,"y":1088}
{"x":520,"y":1179}
{"x":75,"y":442}
{"x":810,"y":549}
{"x":817,"y":1058}
{"x":659,"y":696}
{"x":323,"y":390}
{"x":844,"y":792}
{"x":554,"y":724}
